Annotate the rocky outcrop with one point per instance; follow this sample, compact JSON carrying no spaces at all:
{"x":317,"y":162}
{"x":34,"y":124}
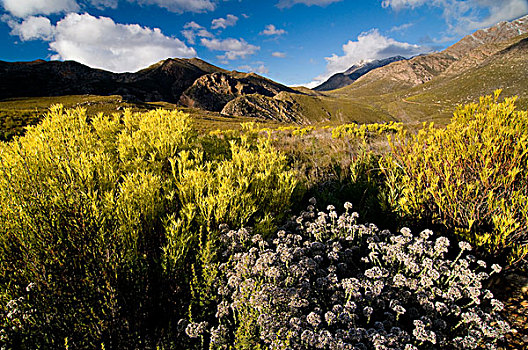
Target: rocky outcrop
{"x":213,"y":91}
{"x":263,"y":107}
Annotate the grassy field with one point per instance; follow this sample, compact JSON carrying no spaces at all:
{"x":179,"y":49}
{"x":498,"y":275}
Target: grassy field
{"x":17,"y":113}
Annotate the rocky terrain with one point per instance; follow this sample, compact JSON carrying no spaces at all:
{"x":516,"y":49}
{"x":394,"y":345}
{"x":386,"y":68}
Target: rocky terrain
{"x":467,"y":53}
{"x":276,"y":108}
{"x":213,"y":91}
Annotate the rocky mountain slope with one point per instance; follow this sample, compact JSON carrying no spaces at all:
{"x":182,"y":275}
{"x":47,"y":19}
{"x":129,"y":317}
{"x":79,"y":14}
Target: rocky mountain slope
{"x":213,"y":91}
{"x":264,"y":107}
{"x":349,"y":76}
{"x":166,"y":80}
{"x":506,"y":70}
{"x":469,"y":52}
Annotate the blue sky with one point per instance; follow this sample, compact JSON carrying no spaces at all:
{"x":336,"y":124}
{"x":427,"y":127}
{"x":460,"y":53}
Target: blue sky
{"x":295,"y":42}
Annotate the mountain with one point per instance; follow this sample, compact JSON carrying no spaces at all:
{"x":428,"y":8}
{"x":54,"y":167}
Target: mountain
{"x":41,"y":78}
{"x":423,"y":88}
{"x":340,"y":80}
{"x":163,"y":81}
{"x":189,"y":82}
{"x":166,"y":80}
{"x":506,"y":69}
{"x":467,"y":53}
{"x":428,"y":87}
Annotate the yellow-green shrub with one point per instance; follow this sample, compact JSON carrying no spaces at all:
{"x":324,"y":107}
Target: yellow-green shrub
{"x":301,"y":132}
{"x":80,"y":221}
{"x":92,"y":207}
{"x":362,"y":131}
{"x":233,"y":191}
{"x":470,"y":176}
{"x":252,"y":186}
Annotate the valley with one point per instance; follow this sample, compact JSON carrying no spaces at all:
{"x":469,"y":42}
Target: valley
{"x":188,"y":206}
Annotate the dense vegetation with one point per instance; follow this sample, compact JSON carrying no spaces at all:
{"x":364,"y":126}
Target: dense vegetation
{"x":469,"y":176}
{"x":132,"y":230}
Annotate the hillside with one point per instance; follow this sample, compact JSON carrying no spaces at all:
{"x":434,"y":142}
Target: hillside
{"x":465,"y":54}
{"x":428,"y":87}
{"x":163,"y":81}
{"x":504,"y":70}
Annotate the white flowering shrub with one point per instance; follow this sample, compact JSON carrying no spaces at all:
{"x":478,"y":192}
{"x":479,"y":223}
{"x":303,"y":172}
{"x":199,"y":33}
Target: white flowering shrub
{"x":327,"y":282}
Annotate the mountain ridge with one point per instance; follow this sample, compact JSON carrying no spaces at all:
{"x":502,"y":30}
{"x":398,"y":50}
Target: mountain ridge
{"x":425,"y":87}
{"x":165,"y":80}
{"x":463,"y":55}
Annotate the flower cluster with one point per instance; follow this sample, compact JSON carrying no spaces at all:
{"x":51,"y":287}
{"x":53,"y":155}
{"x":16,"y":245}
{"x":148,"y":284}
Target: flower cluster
{"x":16,"y":316}
{"x":330,"y":283}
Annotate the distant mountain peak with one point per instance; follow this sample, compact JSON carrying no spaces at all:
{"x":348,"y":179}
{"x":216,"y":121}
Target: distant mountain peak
{"x":498,"y":33}
{"x":353,"y":73}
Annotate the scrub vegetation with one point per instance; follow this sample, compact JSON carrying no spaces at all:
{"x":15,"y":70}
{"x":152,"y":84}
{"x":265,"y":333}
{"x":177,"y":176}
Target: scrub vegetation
{"x":136,"y":228}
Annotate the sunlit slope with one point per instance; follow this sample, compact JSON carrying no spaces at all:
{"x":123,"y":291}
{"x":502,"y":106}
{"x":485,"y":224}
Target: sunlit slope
{"x":479,"y":73}
{"x":335,"y":109}
{"x":506,"y":70}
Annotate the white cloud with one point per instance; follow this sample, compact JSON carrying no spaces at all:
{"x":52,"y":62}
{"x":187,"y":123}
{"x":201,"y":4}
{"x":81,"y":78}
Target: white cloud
{"x":223,"y":23}
{"x":233,"y":48}
{"x":101,"y":4}
{"x":400,"y":4}
{"x":369,"y":46}
{"x":401,"y":27}
{"x":465,"y":16}
{"x":33,"y":28}
{"x":506,"y":10}
{"x":259,"y":69}
{"x":289,"y":3}
{"x":271,"y":30}
{"x":24,"y":8}
{"x":279,"y":54}
{"x":99,"y":42}
{"x":193,"y":30}
{"x":180,"y":6}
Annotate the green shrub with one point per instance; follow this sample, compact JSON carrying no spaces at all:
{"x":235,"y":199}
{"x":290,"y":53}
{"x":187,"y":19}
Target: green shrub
{"x":470,"y":176}
{"x":95,"y":213}
{"x":81,"y":218}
